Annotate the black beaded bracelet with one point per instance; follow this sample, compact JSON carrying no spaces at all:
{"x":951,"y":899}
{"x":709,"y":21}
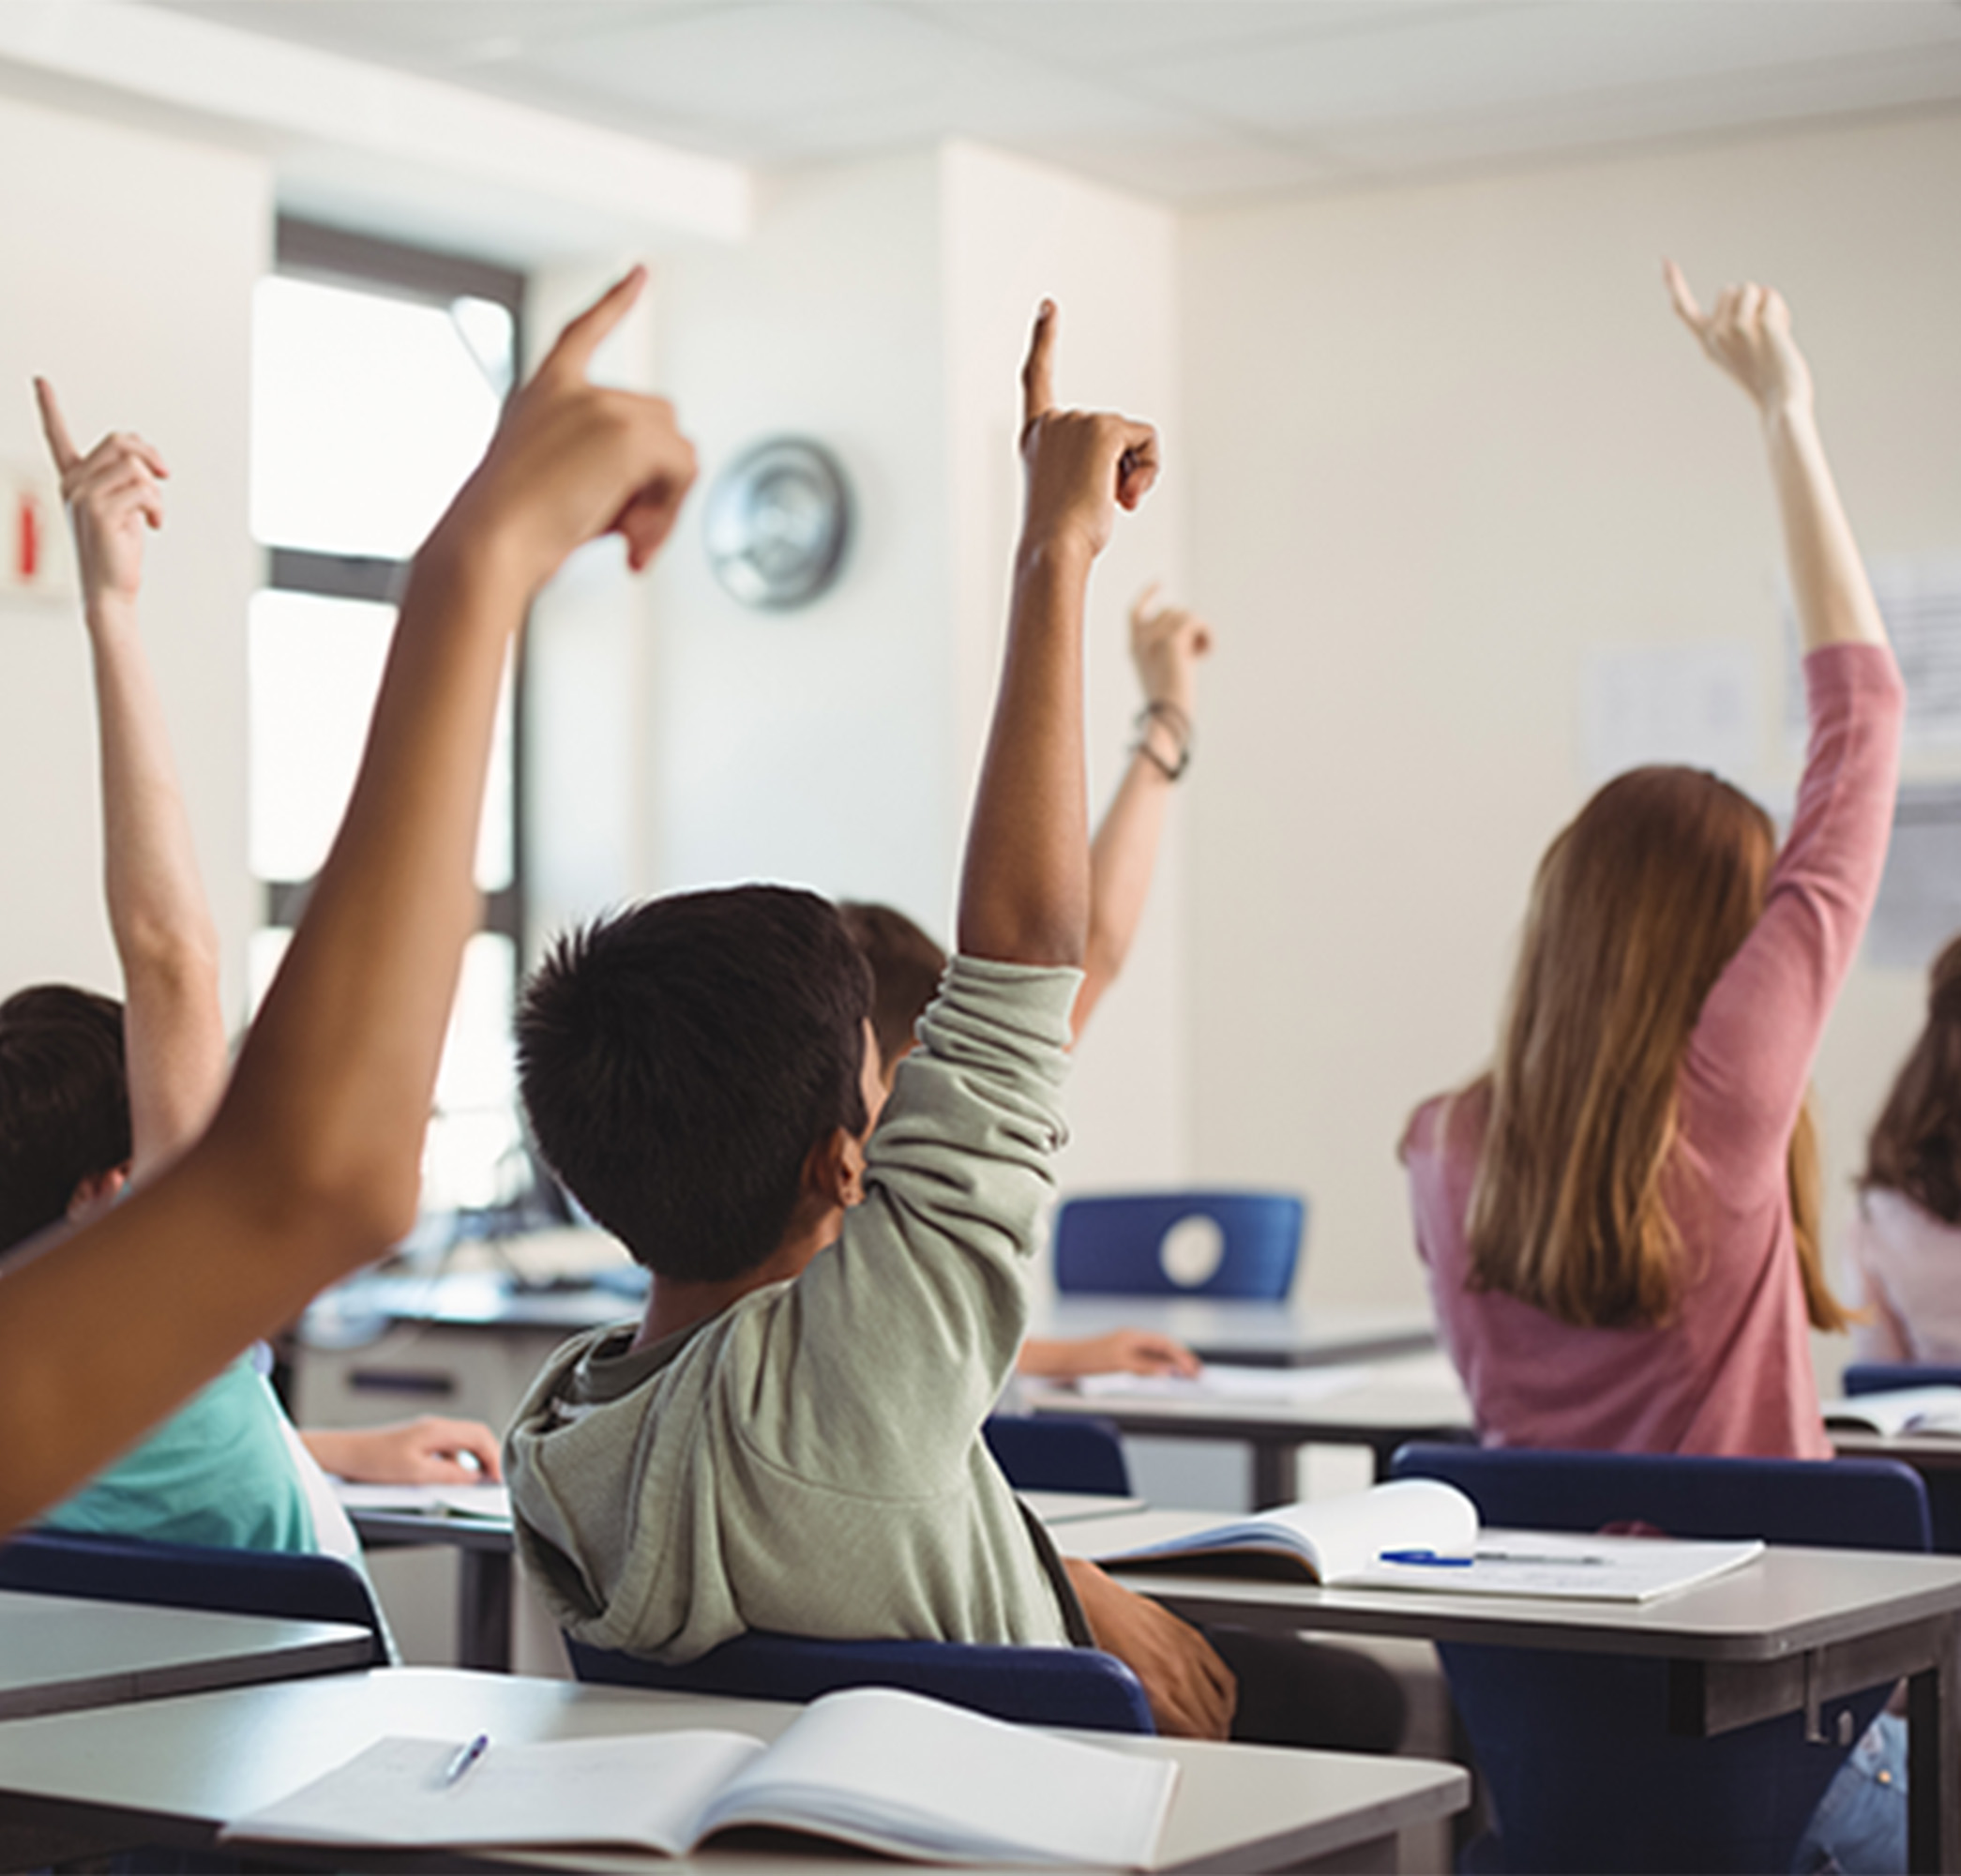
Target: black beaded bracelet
{"x":1181,"y":726}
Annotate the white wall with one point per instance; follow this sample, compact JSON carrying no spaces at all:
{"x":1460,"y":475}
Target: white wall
{"x":131,"y":263}
{"x":1449,"y":441}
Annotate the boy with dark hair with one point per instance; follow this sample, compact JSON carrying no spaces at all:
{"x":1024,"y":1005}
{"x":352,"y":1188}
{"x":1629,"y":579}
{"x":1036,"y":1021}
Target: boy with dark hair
{"x":789,"y":1439}
{"x":310,"y":1166}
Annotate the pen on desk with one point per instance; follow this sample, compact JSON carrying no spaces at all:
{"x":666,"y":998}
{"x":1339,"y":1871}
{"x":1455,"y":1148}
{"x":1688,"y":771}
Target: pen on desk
{"x":1435,"y":1560}
{"x":466,"y":1756}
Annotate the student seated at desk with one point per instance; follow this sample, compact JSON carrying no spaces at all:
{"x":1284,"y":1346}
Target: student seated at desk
{"x":1166,"y":644}
{"x":1619,"y":1219}
{"x":791,"y":1439}
{"x":312,"y":1166}
{"x":1906,"y":1241}
{"x":93,"y":1095}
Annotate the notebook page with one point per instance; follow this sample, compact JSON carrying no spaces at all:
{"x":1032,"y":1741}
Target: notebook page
{"x":647,"y":1788}
{"x":896,"y":1770}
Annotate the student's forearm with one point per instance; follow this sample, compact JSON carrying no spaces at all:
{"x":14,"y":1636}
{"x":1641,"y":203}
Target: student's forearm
{"x":1025,"y":887}
{"x":1123,"y":858}
{"x":1833,"y":598}
{"x":165,"y":939}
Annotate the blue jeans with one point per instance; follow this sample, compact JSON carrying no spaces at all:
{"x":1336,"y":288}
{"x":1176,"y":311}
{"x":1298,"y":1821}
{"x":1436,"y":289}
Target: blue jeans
{"x":1859,"y":1826}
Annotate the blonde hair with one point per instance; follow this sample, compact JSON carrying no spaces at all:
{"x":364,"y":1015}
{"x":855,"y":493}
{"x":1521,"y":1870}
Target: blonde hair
{"x":1638,"y":906}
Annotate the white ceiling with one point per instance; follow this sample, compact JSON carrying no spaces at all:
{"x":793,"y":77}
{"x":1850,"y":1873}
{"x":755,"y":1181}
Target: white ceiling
{"x":1186,"y":100}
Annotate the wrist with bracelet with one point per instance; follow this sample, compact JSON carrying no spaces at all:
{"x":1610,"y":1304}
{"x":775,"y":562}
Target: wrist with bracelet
{"x":1160,"y":710}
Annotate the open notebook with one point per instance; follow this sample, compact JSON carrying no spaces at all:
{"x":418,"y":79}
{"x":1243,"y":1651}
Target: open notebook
{"x":1899,"y":1409}
{"x":871,"y":1766}
{"x":1419,"y":1534}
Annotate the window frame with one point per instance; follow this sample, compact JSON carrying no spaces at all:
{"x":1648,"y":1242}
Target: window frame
{"x":330,"y":256}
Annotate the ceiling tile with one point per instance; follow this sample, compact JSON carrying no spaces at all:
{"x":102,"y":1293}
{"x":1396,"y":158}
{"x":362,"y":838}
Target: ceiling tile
{"x":1410,"y":65}
{"x":1699,"y":106}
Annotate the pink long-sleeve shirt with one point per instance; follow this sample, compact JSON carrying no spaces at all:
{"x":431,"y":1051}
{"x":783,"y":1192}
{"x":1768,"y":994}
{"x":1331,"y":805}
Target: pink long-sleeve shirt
{"x":1731,"y":1371}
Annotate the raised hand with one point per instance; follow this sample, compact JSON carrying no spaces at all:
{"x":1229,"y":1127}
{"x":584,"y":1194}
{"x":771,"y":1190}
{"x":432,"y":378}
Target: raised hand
{"x":1748,"y":333}
{"x":1166,"y":644}
{"x":1080,"y":465}
{"x":113,"y":498}
{"x":573,"y":459}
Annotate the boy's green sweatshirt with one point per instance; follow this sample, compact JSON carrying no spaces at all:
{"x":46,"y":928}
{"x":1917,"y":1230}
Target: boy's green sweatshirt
{"x":811,"y":1461}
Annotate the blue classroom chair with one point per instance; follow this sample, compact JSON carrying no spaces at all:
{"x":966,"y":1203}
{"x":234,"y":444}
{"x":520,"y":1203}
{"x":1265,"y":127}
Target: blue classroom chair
{"x":1944,"y":1487}
{"x":1055,"y":1452}
{"x":297,"y":1587}
{"x":1581,"y":1769}
{"x":1115,"y":1244}
{"x":1044,"y":1686}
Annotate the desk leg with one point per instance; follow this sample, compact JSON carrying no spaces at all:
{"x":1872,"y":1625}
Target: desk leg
{"x":1276,"y":1472}
{"x":1934,"y":1757}
{"x":483,"y":1611}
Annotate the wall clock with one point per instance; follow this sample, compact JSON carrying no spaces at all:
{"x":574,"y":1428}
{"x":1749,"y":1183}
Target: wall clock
{"x":778,"y":521}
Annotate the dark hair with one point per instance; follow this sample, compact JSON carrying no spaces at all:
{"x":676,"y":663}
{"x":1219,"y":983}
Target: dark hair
{"x":906,"y":969}
{"x":1915,"y":1146}
{"x":63,"y":1102}
{"x":679,"y":1060}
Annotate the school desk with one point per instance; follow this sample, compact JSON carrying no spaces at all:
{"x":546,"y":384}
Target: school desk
{"x":58,"y":1653}
{"x":173,"y":1771}
{"x":1287,"y":1334}
{"x":1393,"y":1402}
{"x":1792,"y":1628}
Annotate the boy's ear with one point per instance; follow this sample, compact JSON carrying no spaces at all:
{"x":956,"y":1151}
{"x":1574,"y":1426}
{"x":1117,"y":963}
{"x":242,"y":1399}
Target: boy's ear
{"x":834,"y":1170}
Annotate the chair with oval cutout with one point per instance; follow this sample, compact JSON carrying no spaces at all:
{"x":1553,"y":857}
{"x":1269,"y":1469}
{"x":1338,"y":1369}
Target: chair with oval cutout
{"x":1243,"y":1246}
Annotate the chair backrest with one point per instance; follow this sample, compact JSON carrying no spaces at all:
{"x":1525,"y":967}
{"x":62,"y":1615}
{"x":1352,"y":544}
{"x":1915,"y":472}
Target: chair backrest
{"x":1866,"y":1505}
{"x":1053,"y":1452}
{"x":1181,"y":1243}
{"x":1877,"y":1377}
{"x":1944,"y":1487}
{"x":1045,"y":1686}
{"x":1582,"y":1767}
{"x":298,"y":1587}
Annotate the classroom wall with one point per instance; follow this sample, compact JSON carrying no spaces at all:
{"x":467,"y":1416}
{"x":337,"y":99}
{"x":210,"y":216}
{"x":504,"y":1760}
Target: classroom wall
{"x":1450,"y":445}
{"x":131,"y":263}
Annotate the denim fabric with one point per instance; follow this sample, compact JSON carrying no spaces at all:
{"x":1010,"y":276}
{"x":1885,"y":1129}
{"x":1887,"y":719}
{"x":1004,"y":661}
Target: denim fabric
{"x":1859,"y":1826}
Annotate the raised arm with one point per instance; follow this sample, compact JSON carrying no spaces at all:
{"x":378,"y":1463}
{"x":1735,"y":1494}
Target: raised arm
{"x":1025,"y":886}
{"x":1748,"y":333}
{"x":174,"y":1032}
{"x":1751,"y":1051}
{"x":310,"y":1166}
{"x":1166,"y":644}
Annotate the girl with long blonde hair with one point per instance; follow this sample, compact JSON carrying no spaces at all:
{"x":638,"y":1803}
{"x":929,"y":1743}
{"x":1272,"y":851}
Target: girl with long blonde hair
{"x":1620,"y":1218}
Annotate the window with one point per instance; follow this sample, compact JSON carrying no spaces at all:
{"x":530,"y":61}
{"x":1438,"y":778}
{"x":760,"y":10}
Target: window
{"x":378,"y":373}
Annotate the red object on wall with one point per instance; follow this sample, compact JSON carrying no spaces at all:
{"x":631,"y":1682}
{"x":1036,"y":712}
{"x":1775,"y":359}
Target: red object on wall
{"x":27,"y":536}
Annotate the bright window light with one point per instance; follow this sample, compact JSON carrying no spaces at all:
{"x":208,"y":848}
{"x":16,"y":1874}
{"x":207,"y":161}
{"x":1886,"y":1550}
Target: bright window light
{"x":315,"y":666}
{"x":368,"y":413}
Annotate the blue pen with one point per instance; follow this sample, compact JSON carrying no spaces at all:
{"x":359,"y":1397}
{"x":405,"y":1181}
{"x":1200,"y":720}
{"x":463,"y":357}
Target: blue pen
{"x":1430,"y":1559}
{"x":466,"y":1756}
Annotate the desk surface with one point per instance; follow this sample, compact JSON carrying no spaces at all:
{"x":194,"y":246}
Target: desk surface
{"x":1289,"y":1333}
{"x":180,"y":1769}
{"x":1786,"y":1602}
{"x":59,"y":1653}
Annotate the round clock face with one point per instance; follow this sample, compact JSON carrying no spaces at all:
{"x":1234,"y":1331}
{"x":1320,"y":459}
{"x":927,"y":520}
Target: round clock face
{"x":778,"y":518}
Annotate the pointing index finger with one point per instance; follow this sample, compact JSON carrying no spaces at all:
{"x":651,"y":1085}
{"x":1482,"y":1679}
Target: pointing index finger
{"x":1037,"y":375}
{"x":1691,"y":313}
{"x":573,"y":350}
{"x":60,"y":443}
